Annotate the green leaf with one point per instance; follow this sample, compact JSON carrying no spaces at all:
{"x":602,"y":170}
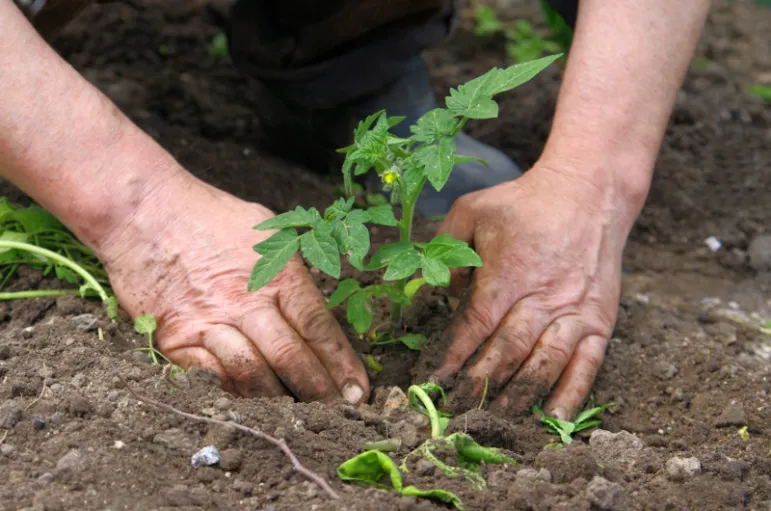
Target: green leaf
{"x":369,"y":468}
{"x":358,"y":313}
{"x":460,"y":159}
{"x":276,"y":252}
{"x":474,"y":98}
{"x":437,"y":494}
{"x":6,"y":210}
{"x":339,"y":209}
{"x":403,"y":265}
{"x":588,"y":414}
{"x":321,"y":251}
{"x":453,"y":253}
{"x":435,"y":272}
{"x":382,"y":215}
{"x":300,"y":217}
{"x":35,"y":219}
{"x":386,"y":253}
{"x":65,"y":274}
{"x":433,"y":125}
{"x":587,"y":425}
{"x":434,"y":387}
{"x":475,"y":453}
{"x":395,"y":294}
{"x":145,"y":324}
{"x":344,"y":290}
{"x":352,"y":238}
{"x":413,"y":178}
{"x":18,"y":237}
{"x":438,"y":160}
{"x":218,"y":47}
{"x":413,"y":341}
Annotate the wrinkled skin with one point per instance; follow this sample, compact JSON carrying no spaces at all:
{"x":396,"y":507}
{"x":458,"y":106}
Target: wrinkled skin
{"x":189,"y":263}
{"x":545,"y":302}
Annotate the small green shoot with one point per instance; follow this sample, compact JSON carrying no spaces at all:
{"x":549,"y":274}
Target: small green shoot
{"x":484,"y":392}
{"x":218,"y":47}
{"x":761,"y":91}
{"x":566,"y":429}
{"x":404,"y":166}
{"x":146,"y":325}
{"x":373,"y":468}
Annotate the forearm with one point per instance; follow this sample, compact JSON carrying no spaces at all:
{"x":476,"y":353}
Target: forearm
{"x":65,"y":144}
{"x":626,"y":65}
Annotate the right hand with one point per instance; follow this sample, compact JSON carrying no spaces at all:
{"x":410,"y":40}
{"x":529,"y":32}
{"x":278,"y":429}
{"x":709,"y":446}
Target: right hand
{"x":186,"y":256}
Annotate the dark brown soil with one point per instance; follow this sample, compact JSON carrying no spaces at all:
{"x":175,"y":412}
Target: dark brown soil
{"x":687,"y":367}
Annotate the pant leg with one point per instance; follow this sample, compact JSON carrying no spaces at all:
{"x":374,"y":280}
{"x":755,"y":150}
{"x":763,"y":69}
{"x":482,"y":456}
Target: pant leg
{"x":54,"y":15}
{"x":320,"y":55}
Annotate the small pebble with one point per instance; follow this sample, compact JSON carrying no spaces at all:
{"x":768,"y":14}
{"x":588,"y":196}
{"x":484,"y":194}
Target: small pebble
{"x":86,"y":322}
{"x":38,"y":423}
{"x":425,"y":468}
{"x":119,"y":444}
{"x":28,"y":332}
{"x":222,"y":404}
{"x":45,"y":478}
{"x":72,"y":459}
{"x":7,"y":449}
{"x":207,"y":456}
{"x":682,"y":469}
{"x":605,"y":495}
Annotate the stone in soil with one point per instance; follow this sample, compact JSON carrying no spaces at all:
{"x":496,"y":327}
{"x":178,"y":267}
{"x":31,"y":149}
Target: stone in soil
{"x":10,"y":414}
{"x":86,"y":322}
{"x":617,"y":450}
{"x":760,"y":253}
{"x":732,"y":415}
{"x":605,"y":495}
{"x":683,"y":469}
{"x":72,"y":460}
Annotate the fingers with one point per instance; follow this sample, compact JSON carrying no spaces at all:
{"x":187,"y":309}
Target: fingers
{"x":542,"y":368}
{"x":306,"y":312}
{"x":576,"y":381}
{"x":293,"y":362}
{"x":225,"y":350}
{"x":474,"y":323}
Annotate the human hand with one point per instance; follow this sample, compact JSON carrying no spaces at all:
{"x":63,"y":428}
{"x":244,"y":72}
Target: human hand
{"x":186,"y":257}
{"x":545,"y":301}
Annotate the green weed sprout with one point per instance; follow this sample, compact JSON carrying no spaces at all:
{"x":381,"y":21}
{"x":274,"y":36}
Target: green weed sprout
{"x":373,"y":467}
{"x":566,"y":429}
{"x":146,"y":325}
{"x":404,"y":165}
{"x":31,"y":236}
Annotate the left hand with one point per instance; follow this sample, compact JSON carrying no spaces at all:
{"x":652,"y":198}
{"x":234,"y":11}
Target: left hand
{"x":545,"y":300}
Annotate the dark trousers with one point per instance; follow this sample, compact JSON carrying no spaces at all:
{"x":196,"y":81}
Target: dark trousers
{"x":322,"y":54}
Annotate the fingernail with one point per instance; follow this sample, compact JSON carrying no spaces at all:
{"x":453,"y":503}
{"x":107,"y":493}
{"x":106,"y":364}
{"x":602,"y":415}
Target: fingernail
{"x":353,"y":393}
{"x":559,"y":414}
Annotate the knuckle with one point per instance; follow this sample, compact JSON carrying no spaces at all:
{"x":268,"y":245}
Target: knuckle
{"x":517,"y":341}
{"x":479,"y":319}
{"x":318,"y":323}
{"x":284,"y":353}
{"x":557,"y":353}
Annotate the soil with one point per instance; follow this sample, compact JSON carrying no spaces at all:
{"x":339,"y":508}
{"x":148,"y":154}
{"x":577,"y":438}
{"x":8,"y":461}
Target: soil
{"x":687,"y":366}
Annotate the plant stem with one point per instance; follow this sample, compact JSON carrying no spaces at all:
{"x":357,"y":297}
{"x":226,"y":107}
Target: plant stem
{"x":405,"y":235}
{"x":53,"y":256}
{"x":433,"y":415}
{"x":39,"y":293}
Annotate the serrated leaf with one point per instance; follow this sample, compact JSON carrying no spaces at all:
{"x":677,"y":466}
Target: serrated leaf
{"x":474,"y":98}
{"x":321,"y":251}
{"x":344,"y":290}
{"x":414,"y":341}
{"x":338,"y":209}
{"x":396,"y":295}
{"x":386,"y":253}
{"x":403,"y":265}
{"x":353,"y":239}
{"x":435,"y":272}
{"x":460,"y":159}
{"x":433,"y":125}
{"x":276,"y":252}
{"x":518,"y":74}
{"x":300,"y":217}
{"x":145,"y":324}
{"x":413,"y":178}
{"x":382,"y":215}
{"x":438,"y":160}
{"x":358,"y":312}
{"x":454,"y":253}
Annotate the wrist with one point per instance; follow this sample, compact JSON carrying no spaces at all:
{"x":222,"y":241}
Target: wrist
{"x":618,"y":183}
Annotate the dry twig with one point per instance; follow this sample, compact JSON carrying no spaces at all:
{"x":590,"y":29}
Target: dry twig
{"x":4,"y":435}
{"x":278,"y":442}
{"x":39,"y":397}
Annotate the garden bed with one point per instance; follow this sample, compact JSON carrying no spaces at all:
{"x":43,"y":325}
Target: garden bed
{"x":687,"y":369}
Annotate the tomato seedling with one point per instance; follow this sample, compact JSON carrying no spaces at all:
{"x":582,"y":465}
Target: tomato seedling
{"x":404,"y":165}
